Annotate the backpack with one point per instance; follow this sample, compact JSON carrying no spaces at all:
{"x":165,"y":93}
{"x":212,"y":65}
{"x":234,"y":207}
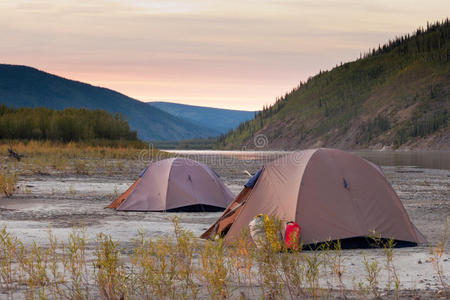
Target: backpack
{"x":292,"y":235}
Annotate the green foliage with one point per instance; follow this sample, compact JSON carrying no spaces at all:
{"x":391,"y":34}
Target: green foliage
{"x":373,"y":128}
{"x":422,"y":126}
{"x":66,"y":125}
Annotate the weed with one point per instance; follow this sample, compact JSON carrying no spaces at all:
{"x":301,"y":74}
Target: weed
{"x":80,"y":167}
{"x":241,"y":261}
{"x":186,"y":246}
{"x":213,"y":271}
{"x":72,"y":191}
{"x":372,"y":273}
{"x":337,"y":267}
{"x":8,"y":183}
{"x":179,"y":266}
{"x":436,"y":256}
{"x":392,"y":275}
{"x":45,"y":157}
{"x":110,"y":276}
{"x":313,"y":262}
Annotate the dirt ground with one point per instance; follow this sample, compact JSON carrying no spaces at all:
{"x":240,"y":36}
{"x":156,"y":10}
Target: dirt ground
{"x":60,"y":202}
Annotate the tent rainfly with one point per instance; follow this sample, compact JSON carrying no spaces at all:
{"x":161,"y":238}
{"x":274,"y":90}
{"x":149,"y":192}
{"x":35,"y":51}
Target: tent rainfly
{"x":331,"y":194}
{"x":175,"y":184}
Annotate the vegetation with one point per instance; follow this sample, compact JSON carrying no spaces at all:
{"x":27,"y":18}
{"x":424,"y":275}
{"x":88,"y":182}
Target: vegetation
{"x":179,"y":266}
{"x":393,"y":94}
{"x":68,"y":125}
{"x":47,"y":157}
{"x":8,"y":183}
{"x":22,"y":86}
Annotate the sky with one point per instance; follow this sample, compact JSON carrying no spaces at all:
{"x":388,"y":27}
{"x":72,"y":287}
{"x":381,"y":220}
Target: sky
{"x":230,"y":54}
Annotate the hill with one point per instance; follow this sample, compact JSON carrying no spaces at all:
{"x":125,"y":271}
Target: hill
{"x":22,"y":86}
{"x":221,"y":120}
{"x":397,"y":95}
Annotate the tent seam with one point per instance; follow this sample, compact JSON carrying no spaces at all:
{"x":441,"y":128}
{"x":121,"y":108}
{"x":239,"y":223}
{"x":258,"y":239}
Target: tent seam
{"x":301,"y":181}
{"x":167,"y":185}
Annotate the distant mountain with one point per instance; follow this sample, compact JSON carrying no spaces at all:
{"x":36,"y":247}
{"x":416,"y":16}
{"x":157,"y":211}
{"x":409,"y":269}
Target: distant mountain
{"x":22,"y":86}
{"x":396,"y":95}
{"x":221,"y":120}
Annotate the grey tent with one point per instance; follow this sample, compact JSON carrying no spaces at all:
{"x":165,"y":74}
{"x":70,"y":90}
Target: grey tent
{"x":175,"y":184}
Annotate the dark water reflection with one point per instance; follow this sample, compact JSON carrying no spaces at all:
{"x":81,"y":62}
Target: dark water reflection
{"x":421,"y":159}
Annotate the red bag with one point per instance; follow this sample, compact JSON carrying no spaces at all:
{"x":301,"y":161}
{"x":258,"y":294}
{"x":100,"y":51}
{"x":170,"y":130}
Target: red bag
{"x":292,"y":235}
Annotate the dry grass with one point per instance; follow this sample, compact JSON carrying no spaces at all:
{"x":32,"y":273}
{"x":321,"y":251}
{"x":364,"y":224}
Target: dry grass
{"x":180,"y":266}
{"x":46,"y":158}
{"x":436,"y":258}
{"x":8,"y":183}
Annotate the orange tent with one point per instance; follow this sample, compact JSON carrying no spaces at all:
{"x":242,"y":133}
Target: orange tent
{"x":331,"y":194}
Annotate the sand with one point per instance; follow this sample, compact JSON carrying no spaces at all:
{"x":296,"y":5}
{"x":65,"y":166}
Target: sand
{"x":59,"y":203}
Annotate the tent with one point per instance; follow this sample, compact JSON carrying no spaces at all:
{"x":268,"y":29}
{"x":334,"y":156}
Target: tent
{"x":175,"y":184}
{"x":331,"y":194}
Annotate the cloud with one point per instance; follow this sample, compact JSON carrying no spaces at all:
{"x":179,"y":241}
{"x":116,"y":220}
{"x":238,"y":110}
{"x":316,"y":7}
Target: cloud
{"x":201,"y":49}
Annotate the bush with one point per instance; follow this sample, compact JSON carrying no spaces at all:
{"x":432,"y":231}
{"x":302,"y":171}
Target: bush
{"x":8,"y":183}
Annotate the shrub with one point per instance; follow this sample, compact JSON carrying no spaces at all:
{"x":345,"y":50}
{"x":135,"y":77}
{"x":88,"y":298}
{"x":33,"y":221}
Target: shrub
{"x":8,"y":183}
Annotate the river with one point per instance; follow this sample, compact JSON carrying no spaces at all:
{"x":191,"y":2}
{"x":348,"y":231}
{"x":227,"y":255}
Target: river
{"x":419,"y":159}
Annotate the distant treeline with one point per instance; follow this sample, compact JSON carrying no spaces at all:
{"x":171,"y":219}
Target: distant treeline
{"x":68,"y":125}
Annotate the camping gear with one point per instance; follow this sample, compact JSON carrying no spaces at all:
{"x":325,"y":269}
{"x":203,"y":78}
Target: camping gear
{"x":265,"y":232}
{"x":331,"y":194}
{"x":257,"y":230}
{"x":175,"y":184}
{"x":292,"y":235}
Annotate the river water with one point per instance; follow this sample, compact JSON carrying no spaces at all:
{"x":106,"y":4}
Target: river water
{"x":420,"y":159}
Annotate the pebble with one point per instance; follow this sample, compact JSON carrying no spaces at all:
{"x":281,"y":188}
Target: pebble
{"x":440,"y":293}
{"x":419,"y":262}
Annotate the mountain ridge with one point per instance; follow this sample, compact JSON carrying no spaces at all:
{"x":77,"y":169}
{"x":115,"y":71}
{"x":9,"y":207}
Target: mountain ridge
{"x":397,"y":96}
{"x":218,"y":119}
{"x":24,"y":86}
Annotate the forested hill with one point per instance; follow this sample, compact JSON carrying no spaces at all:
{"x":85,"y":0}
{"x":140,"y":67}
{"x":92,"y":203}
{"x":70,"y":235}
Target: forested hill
{"x":22,"y":86}
{"x":396,"y":95}
{"x":68,"y":125}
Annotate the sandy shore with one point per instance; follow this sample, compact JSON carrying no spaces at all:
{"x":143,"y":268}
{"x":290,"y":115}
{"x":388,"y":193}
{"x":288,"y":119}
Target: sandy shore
{"x":59,"y":203}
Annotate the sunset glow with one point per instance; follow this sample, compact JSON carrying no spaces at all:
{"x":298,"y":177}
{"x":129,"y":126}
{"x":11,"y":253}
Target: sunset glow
{"x":230,"y":54}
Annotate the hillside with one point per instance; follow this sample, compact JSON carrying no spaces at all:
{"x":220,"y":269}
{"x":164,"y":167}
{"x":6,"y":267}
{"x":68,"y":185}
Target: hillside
{"x":220,"y":120}
{"x":22,"y":86}
{"x":397,"y":95}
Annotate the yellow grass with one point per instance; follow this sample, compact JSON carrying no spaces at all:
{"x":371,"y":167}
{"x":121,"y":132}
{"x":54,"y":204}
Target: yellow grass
{"x":178,"y":266}
{"x":50,"y":157}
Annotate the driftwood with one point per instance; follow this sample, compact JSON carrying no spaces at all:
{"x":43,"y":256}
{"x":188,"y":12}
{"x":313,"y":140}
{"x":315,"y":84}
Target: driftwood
{"x":14,"y":154}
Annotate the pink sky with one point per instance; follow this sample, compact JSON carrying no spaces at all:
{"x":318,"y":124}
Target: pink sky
{"x":230,"y":54}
